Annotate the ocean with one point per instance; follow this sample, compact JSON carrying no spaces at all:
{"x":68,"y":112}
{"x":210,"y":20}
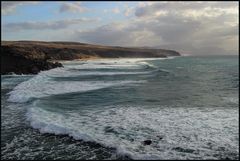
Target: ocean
{"x":184,"y":107}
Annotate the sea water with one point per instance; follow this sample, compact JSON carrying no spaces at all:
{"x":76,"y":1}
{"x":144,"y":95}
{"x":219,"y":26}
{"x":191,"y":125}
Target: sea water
{"x":107,"y":108}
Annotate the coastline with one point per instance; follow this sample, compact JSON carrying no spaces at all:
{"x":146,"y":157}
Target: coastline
{"x":31,"y":57}
{"x":80,"y":59}
{"x":59,"y":63}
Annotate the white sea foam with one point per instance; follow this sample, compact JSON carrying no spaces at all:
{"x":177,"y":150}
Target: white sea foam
{"x":89,"y":73}
{"x":101,"y":66}
{"x":232,"y":99}
{"x":186,"y":132}
{"x":42,"y":86}
{"x":9,"y":81}
{"x":67,"y":72}
{"x":112,"y":73}
{"x":113,"y":61}
{"x":132,"y":63}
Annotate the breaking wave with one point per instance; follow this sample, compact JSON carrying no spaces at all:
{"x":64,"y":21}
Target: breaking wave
{"x":176,"y":132}
{"x":191,"y":130}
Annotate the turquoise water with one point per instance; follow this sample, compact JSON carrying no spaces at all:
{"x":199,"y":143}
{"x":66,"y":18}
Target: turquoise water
{"x":105,"y":109}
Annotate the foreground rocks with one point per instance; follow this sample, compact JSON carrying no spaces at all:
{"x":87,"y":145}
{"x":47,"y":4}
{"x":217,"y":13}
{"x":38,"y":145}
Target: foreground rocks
{"x":147,"y":142}
{"x":31,"y":57}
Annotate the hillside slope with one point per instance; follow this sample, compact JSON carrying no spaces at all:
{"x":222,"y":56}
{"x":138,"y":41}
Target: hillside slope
{"x":25,"y":57}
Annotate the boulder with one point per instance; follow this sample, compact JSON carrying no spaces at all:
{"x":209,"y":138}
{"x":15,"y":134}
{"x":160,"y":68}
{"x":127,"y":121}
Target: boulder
{"x":147,"y":142}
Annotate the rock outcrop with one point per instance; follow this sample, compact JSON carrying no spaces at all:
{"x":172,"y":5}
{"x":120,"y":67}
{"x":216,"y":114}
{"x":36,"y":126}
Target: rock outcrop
{"x":30,"y":57}
{"x":147,"y":142}
{"x":18,"y":61}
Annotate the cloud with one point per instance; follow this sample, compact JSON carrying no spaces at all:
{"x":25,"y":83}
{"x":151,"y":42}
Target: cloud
{"x":114,"y":10}
{"x":113,"y":34}
{"x":123,"y":34}
{"x":9,"y":7}
{"x":74,"y":7}
{"x":128,"y":11}
{"x":48,"y":25}
{"x":197,"y":8}
{"x":191,"y":27}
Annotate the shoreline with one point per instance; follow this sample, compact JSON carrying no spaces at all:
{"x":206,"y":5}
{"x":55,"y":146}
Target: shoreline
{"x":30,"y":57}
{"x":99,"y":58}
{"x":83,"y":59}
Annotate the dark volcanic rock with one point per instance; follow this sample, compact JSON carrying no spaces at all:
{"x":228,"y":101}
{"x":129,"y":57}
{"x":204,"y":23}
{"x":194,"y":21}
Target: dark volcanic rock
{"x":179,"y":149}
{"x":19,"y":63}
{"x":147,"y":142}
{"x":159,"y":137}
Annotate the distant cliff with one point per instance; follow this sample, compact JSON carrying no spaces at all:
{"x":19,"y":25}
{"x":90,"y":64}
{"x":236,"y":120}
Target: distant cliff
{"x":26,"y":57}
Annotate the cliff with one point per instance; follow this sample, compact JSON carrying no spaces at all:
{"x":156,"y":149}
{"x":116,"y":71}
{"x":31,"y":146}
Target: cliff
{"x":25,"y":57}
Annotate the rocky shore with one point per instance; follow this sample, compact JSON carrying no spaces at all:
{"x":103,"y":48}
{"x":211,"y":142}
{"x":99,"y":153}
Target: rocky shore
{"x":31,"y":57}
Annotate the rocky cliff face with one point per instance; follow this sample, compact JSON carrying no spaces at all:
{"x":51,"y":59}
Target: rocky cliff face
{"x":12,"y":61}
{"x":25,"y":60}
{"x":25,"y":57}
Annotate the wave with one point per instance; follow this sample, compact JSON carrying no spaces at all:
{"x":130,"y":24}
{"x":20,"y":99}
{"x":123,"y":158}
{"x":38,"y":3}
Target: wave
{"x":176,"y":133}
{"x":126,"y":127}
{"x":38,"y":89}
{"x":99,"y":66}
{"x":42,"y":85}
{"x":10,"y":81}
{"x":112,"y":73}
{"x":106,"y":67}
{"x":234,"y":100}
{"x":16,"y":75}
{"x":127,"y":63}
{"x":90,"y":73}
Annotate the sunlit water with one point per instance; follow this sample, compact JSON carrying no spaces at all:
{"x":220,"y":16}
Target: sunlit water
{"x":105,"y":109}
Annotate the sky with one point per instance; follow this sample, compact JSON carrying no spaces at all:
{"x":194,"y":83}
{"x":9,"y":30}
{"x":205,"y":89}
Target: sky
{"x":190,"y":27}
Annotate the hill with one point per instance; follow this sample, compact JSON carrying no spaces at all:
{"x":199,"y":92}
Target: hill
{"x":25,"y":57}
